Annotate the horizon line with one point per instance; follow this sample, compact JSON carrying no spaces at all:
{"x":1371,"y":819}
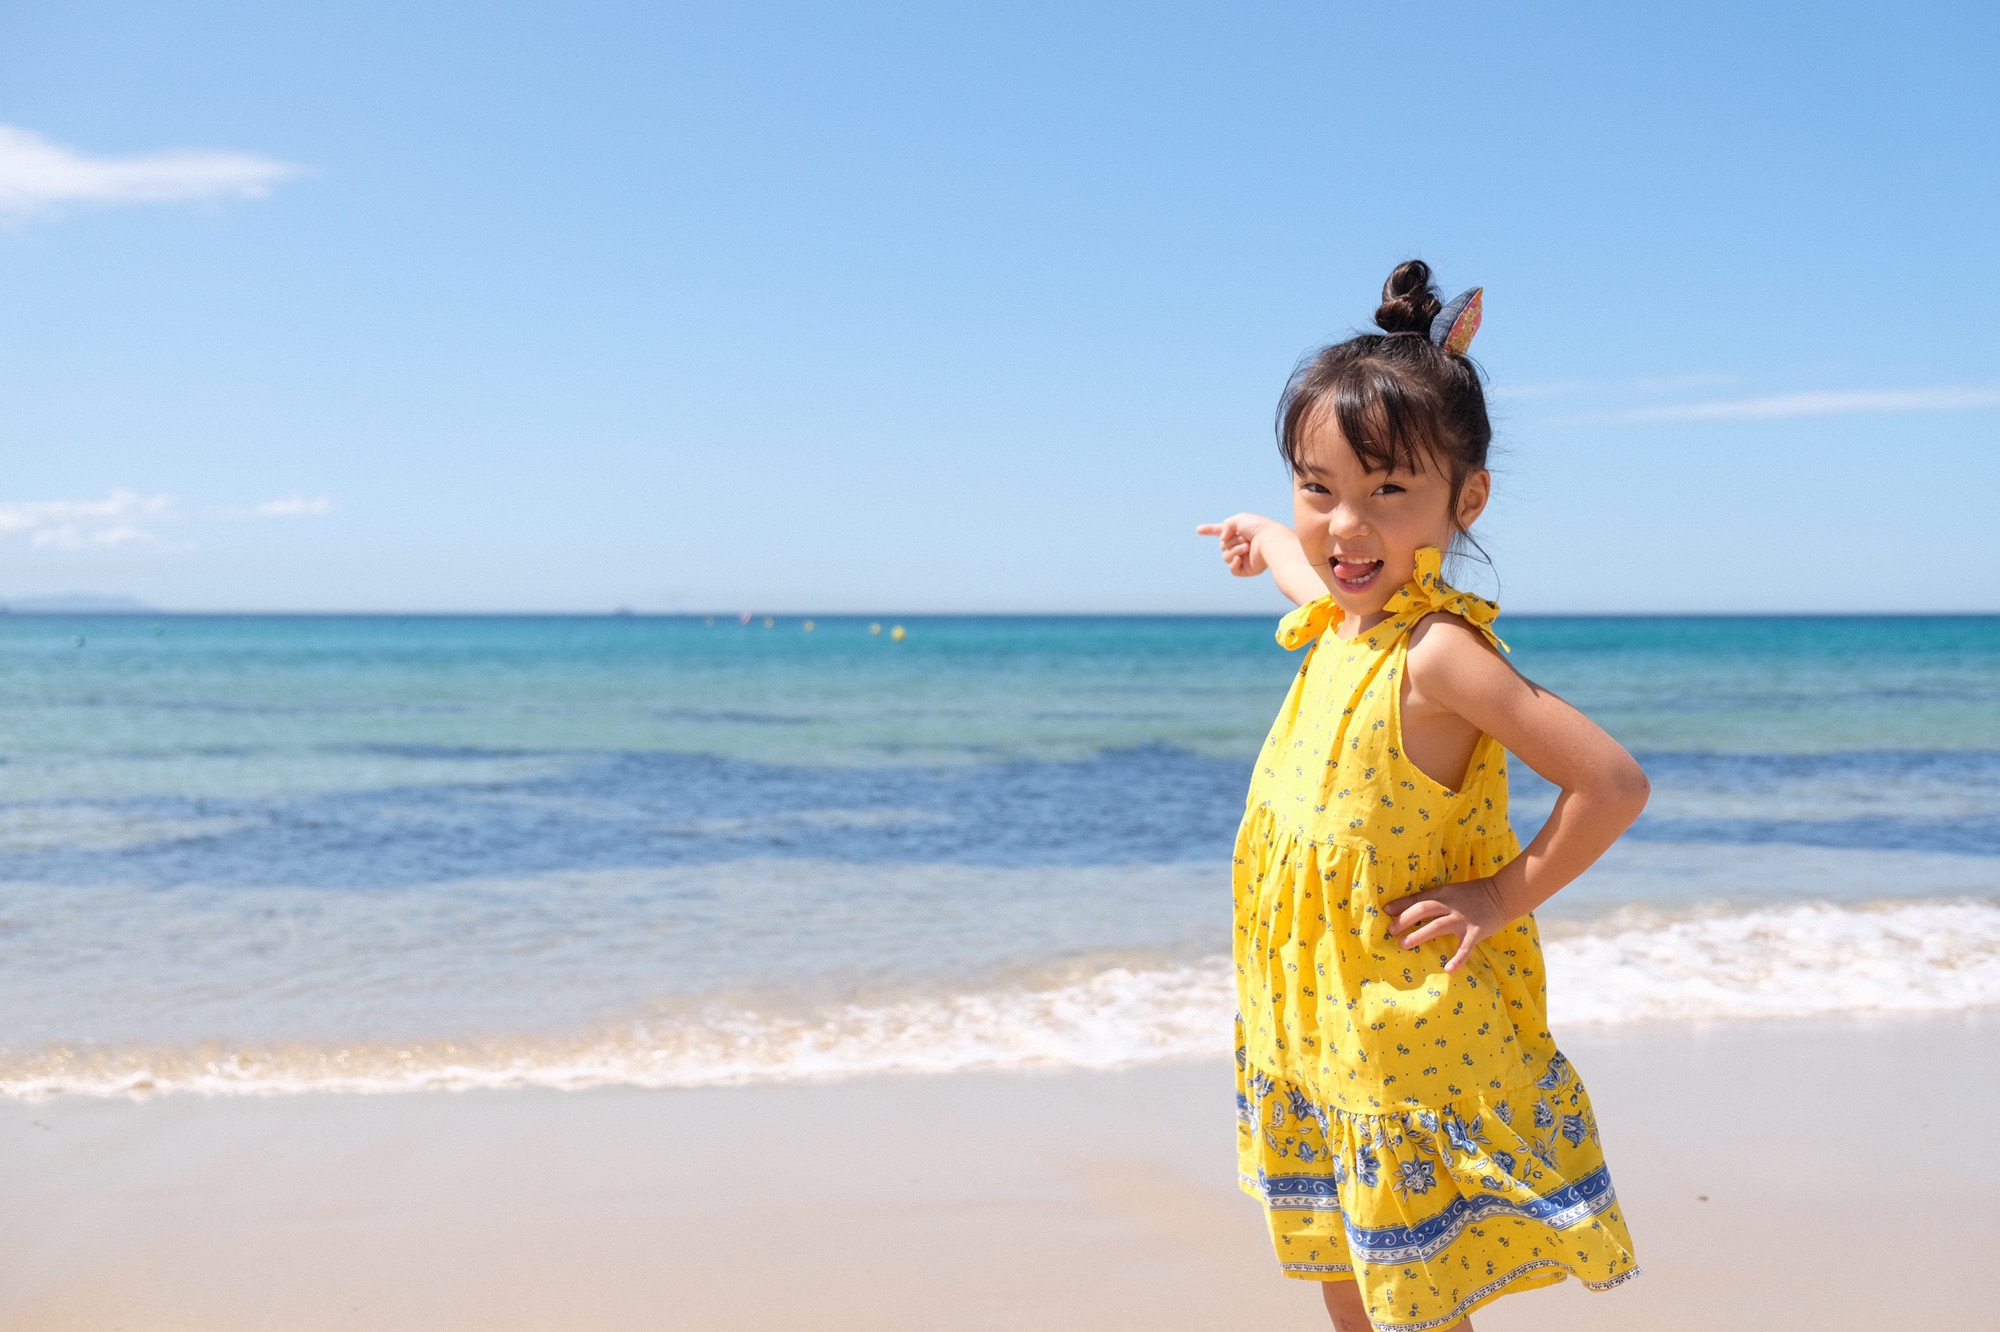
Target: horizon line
{"x":738,"y":616}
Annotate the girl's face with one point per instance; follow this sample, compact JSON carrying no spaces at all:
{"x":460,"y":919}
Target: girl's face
{"x":1362,"y":529}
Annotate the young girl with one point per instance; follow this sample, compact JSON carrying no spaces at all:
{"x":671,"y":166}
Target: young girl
{"x":1420,"y":1144}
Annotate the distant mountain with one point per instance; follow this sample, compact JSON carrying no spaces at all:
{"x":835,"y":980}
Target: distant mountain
{"x":76,"y":603}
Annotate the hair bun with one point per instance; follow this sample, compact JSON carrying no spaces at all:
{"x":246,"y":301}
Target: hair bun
{"x":1409,"y":301}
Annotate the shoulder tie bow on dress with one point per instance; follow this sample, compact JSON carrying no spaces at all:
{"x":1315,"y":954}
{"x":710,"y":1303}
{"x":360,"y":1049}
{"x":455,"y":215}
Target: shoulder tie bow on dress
{"x":1428,"y":592}
{"x":1306,"y":623}
{"x":1424,"y":594}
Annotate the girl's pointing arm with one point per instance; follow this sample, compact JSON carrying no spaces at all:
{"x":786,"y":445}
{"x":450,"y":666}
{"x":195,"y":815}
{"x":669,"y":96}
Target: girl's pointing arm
{"x":1253,"y":544}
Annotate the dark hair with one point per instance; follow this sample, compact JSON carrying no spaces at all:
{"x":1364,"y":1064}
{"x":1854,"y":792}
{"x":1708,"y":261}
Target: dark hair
{"x":1402,"y":403}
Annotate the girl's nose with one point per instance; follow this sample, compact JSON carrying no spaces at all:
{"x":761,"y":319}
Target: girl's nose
{"x":1342,"y":521}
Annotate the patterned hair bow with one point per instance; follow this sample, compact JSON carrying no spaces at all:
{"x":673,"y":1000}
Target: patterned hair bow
{"x":1425,"y":593}
{"x":1457,"y":322}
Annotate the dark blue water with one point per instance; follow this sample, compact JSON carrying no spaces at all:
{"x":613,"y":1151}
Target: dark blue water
{"x":374,"y":752}
{"x":1154,"y":804}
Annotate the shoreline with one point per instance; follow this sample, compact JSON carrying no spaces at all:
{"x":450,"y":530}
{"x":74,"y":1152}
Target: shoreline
{"x":1629,"y":963}
{"x":1759,"y":1163}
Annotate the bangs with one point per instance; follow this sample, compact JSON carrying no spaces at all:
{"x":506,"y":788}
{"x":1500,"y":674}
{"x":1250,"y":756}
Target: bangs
{"x":1381,"y":414}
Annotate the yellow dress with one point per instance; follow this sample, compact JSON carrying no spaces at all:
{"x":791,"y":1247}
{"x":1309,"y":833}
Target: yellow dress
{"x":1414,"y":1129}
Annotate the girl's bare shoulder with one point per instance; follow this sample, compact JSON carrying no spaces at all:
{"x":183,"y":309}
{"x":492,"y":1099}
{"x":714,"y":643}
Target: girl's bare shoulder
{"x":1442,"y":637}
{"x":1448,"y":655}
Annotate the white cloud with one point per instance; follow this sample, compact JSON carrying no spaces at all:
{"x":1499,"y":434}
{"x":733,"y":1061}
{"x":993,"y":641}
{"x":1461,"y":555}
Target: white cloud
{"x":128,"y":518}
{"x":71,"y":536}
{"x":117,"y":509}
{"x":295,"y":506}
{"x":36,"y":174}
{"x":1938,"y":398}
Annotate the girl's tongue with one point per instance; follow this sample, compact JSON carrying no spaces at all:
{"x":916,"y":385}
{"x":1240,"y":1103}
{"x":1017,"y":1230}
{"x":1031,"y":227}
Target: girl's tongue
{"x":1356,"y":574}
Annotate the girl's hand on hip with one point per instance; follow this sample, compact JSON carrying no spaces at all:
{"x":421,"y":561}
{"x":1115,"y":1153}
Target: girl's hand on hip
{"x":1470,"y":911}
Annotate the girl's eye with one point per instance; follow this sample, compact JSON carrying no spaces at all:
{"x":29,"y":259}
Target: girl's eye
{"x":1312,"y":488}
{"x":1388,"y":488}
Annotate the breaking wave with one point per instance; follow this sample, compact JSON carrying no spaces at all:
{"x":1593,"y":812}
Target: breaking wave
{"x":1791,"y":961}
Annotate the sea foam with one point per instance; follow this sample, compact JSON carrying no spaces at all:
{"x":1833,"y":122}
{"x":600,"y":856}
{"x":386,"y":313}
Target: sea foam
{"x":1792,"y":961}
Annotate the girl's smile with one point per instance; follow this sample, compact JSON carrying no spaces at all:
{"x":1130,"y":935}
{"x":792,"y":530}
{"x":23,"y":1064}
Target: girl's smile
{"x":1355,"y":575}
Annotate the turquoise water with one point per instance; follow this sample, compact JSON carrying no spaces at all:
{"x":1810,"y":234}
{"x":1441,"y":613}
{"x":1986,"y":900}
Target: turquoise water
{"x":314,"y":830}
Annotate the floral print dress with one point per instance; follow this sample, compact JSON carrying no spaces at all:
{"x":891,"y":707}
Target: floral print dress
{"x":1412,"y":1129}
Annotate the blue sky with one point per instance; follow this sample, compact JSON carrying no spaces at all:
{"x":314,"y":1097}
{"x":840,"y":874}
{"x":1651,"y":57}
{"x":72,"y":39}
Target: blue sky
{"x":846,"y":307}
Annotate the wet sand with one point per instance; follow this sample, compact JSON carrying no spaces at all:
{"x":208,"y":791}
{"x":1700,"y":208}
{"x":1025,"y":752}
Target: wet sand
{"x":1822,"y":1175}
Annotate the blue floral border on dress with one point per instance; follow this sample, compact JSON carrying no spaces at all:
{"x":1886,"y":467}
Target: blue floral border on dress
{"x":1420,"y":1243}
{"x":1296,"y":1193}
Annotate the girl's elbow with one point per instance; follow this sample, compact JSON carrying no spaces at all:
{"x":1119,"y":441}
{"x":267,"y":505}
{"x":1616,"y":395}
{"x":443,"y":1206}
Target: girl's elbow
{"x":1631,"y":788}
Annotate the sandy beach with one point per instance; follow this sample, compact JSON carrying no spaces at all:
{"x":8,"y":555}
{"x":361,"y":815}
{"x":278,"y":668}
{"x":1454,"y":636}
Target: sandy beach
{"x":694,"y":667}
{"x":1762,"y":1165}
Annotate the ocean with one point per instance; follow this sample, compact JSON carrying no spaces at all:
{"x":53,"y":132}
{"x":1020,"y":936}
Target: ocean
{"x":271,"y":854}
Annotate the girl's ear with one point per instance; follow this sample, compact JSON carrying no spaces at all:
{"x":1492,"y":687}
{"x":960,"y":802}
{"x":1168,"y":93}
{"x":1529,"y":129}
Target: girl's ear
{"x":1472,"y":496}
